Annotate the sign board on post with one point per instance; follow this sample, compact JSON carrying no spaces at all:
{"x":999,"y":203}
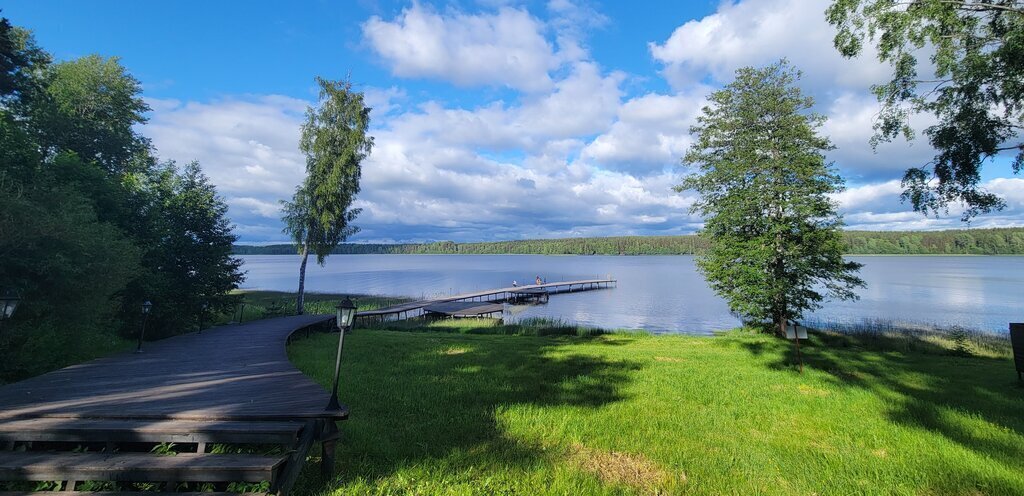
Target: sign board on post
{"x":794,"y":331}
{"x":1017,"y":342}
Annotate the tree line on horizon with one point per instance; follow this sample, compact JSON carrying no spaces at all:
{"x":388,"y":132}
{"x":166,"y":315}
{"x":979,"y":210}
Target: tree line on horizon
{"x":986,"y":241}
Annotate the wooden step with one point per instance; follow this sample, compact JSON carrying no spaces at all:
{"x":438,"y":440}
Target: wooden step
{"x":136,"y":467}
{"x":146,"y":431}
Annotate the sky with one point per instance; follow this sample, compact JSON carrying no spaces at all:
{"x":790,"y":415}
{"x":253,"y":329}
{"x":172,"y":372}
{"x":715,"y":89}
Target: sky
{"x":492,"y":119}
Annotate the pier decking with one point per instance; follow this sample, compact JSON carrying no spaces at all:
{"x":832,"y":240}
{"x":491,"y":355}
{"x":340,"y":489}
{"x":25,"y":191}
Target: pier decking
{"x":417,"y":308}
{"x":231,"y":384}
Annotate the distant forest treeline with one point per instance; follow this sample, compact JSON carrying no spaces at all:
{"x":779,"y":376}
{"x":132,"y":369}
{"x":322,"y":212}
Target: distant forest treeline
{"x":1005,"y":241}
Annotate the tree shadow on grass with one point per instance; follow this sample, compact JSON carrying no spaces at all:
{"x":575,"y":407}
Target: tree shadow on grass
{"x":928,"y":388}
{"x":430,"y":400}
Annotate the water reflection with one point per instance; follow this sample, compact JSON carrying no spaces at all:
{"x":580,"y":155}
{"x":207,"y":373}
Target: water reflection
{"x":666,"y":293}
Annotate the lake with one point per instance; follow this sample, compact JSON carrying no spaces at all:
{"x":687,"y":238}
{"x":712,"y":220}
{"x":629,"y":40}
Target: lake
{"x":667,"y":293}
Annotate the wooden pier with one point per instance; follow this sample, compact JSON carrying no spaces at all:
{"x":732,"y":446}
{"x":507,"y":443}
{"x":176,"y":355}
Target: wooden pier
{"x":228,"y":385}
{"x":499,"y":295}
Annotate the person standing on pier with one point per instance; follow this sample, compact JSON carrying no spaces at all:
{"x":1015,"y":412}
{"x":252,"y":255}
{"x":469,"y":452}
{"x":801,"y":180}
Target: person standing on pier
{"x":539,"y":281}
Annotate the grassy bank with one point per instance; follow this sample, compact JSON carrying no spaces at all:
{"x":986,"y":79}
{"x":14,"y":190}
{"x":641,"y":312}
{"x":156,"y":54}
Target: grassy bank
{"x":462,"y":413}
{"x":259,"y":304}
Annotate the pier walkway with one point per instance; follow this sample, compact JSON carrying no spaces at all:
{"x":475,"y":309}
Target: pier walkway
{"x":416,"y":308}
{"x":231,"y":384}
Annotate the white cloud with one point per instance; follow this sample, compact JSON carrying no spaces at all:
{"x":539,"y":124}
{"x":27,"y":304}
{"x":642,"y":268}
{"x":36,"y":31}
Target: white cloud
{"x":851,"y":116}
{"x":246,"y":146}
{"x":652,"y":132}
{"x":581,"y":104}
{"x":877,"y":206}
{"x":504,"y":48}
{"x":759,"y":32}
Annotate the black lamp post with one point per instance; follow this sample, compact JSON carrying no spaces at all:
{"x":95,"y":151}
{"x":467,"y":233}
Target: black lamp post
{"x":202,"y":311}
{"x":346,"y":314}
{"x":146,"y":307}
{"x":8,"y":303}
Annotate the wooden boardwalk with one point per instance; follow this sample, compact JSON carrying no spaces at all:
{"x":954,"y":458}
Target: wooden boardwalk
{"x":226,"y":385}
{"x":236,"y":372}
{"x":416,"y":308}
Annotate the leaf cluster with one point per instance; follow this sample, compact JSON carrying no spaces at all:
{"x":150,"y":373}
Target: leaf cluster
{"x":974,"y":88}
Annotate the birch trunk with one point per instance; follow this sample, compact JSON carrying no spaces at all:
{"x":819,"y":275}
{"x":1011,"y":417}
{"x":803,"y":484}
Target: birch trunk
{"x":299,"y":307}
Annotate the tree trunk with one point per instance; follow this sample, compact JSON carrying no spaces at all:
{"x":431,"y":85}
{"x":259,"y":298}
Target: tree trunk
{"x":299,"y":308}
{"x":781,"y":320}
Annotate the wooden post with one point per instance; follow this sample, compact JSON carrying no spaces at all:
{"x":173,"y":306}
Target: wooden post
{"x":328,"y":446}
{"x":1017,"y":343}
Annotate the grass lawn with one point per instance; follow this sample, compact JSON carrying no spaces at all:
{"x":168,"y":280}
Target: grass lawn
{"x":457,"y":413}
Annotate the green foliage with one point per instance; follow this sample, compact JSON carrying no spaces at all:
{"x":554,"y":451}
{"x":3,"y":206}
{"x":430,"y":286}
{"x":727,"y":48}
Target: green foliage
{"x":976,"y":93}
{"x":91,"y":106}
{"x":83,"y":203}
{"x":335,"y":143}
{"x":764,"y":185}
{"x":536,"y":326}
{"x":19,"y":57}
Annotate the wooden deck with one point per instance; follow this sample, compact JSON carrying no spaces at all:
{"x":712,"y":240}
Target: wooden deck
{"x":231,"y":384}
{"x":238,"y":372}
{"x":416,"y":308}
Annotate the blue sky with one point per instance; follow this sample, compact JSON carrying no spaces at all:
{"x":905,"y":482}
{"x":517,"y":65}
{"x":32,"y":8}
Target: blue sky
{"x":493,"y":119}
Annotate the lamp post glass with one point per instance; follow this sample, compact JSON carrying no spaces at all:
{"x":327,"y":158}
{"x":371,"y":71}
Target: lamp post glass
{"x":346,"y":313}
{"x":8,"y":304}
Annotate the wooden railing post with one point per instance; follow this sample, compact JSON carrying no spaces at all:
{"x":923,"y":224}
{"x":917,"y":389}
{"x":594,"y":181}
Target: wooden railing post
{"x":1017,"y":342}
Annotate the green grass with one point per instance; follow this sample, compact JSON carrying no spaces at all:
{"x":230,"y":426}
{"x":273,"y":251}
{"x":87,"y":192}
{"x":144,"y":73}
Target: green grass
{"x":462,"y":413}
{"x":266,"y":304}
{"x":528,"y":327}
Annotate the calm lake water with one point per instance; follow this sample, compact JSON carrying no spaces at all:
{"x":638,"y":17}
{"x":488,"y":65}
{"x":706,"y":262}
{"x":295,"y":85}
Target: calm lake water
{"x":666,"y":293}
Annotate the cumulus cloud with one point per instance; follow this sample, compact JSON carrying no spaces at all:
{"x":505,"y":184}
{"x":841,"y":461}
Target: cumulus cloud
{"x":581,"y":104}
{"x":247,"y":146}
{"x":506,"y":48}
{"x":758,"y":32}
{"x":877,"y":206}
{"x":651,"y":132}
{"x":851,"y":116}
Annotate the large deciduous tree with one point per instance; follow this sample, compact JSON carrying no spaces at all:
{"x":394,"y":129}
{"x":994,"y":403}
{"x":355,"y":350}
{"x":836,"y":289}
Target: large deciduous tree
{"x":91,"y":106}
{"x":763,"y":184}
{"x":335,"y":143}
{"x":976,"y":93}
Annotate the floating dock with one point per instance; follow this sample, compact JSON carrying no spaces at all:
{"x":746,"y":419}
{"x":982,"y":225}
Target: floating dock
{"x":499,"y":295}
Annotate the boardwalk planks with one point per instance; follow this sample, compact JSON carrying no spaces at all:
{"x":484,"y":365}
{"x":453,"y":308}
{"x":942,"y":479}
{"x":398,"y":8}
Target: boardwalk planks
{"x":236,"y":372}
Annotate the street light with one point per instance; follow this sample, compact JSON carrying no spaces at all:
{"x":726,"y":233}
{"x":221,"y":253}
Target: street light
{"x":146,"y":307}
{"x":202,"y":310}
{"x":8,"y":303}
{"x":346,"y":314}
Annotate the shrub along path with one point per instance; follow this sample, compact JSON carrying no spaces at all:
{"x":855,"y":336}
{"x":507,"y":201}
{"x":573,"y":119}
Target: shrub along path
{"x":445,"y":413}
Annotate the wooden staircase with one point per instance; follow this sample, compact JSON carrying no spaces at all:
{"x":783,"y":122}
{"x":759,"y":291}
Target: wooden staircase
{"x":72,"y":451}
